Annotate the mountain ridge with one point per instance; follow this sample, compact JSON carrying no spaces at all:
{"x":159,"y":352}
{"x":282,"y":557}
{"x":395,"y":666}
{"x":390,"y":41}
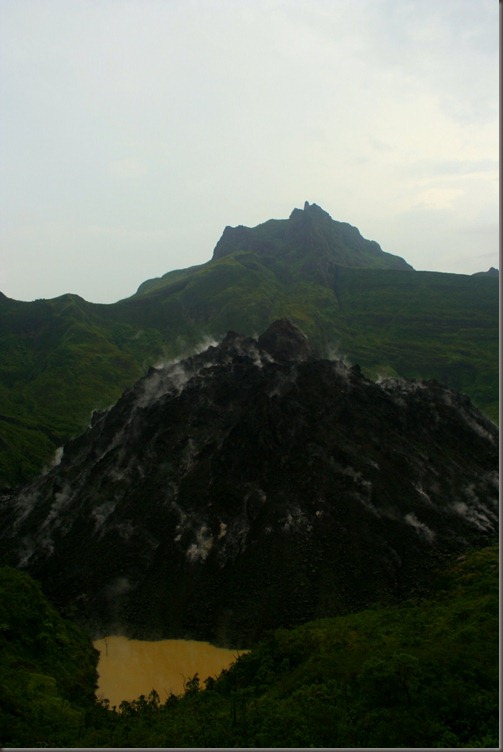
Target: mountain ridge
{"x":64,"y":357}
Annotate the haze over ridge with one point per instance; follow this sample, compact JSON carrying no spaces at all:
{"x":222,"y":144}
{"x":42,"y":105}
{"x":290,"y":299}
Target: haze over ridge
{"x":134,"y":133}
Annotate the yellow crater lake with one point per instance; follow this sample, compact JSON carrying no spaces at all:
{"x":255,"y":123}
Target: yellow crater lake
{"x":130,"y":668}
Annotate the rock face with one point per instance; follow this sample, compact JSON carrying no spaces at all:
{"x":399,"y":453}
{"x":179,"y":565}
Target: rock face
{"x":251,"y":486}
{"x":285,"y":342}
{"x":310,"y":232}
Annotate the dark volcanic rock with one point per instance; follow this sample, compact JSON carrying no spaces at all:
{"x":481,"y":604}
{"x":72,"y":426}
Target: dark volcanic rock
{"x":251,"y":486}
{"x":285,"y":341}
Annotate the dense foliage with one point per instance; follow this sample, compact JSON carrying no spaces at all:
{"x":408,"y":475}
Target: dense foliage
{"x":47,"y":669}
{"x":422,"y":674}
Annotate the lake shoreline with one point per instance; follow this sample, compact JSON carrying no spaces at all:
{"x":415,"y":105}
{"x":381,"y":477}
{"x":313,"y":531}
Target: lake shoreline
{"x":128,"y":668}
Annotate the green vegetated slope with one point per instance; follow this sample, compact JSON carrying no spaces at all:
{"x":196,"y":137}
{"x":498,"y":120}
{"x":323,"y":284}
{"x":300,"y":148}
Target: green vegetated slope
{"x":415,"y":324}
{"x":47,"y":671}
{"x":422,"y":674}
{"x":60,"y":359}
{"x":442,"y":326}
{"x":64,"y":357}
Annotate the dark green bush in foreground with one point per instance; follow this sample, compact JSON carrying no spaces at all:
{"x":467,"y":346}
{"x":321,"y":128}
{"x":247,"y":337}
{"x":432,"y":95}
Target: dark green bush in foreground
{"x":422,"y":674}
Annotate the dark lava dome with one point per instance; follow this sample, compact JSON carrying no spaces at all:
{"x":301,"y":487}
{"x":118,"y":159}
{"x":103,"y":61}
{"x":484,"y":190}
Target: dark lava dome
{"x":255,"y":485}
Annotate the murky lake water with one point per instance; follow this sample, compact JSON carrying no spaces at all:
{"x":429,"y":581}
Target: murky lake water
{"x":130,"y":668}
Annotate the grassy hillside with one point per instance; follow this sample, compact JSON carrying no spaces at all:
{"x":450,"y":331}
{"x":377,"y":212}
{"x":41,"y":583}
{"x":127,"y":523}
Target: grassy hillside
{"x":64,"y":357}
{"x":61,"y":359}
{"x":422,"y":674}
{"x":442,"y":326}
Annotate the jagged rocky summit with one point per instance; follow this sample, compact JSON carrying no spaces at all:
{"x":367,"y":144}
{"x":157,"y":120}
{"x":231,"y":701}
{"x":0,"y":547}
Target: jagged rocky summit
{"x":311,"y":238}
{"x":491,"y":272}
{"x":255,"y":485}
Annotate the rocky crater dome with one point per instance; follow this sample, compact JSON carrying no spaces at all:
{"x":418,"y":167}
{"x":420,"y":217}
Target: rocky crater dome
{"x":251,"y":486}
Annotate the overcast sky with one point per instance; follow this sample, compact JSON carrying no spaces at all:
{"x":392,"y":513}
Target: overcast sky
{"x":133,"y":131}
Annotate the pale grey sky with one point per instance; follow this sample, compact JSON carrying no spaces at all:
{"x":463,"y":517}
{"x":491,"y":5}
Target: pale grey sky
{"x":133,"y":131}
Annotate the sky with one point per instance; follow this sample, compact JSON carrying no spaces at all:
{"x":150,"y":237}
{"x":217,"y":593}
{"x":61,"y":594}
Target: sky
{"x":133,"y":131}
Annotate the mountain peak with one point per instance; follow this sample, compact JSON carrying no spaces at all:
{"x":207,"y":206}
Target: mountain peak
{"x":307,"y":238}
{"x":315,"y":209}
{"x":491,"y":272}
{"x":311,"y":211}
